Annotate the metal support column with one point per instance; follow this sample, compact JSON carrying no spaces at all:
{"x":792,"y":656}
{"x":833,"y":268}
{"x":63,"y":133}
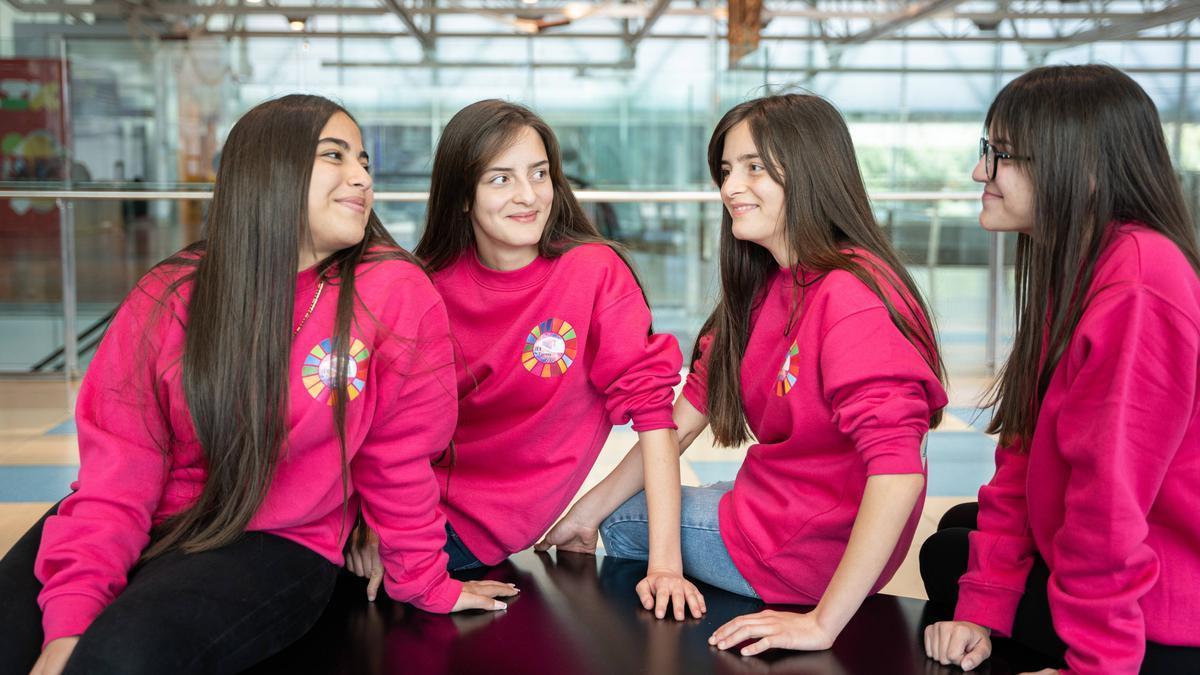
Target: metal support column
{"x":996,"y":291}
{"x":66,"y":230}
{"x":66,"y":238}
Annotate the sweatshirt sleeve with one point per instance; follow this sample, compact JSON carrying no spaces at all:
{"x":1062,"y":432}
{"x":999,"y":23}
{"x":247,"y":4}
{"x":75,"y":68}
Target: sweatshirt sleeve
{"x":636,"y":371}
{"x":1001,"y":548}
{"x":392,"y":470}
{"x":1130,"y":397}
{"x":880,"y":389}
{"x":695,"y":388}
{"x":88,"y":548}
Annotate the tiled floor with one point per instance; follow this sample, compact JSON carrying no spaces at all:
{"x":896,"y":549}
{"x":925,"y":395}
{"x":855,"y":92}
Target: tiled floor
{"x":33,"y":464}
{"x":39,"y":459}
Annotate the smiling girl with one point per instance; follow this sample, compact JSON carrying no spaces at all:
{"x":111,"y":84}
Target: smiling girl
{"x":554,"y":348}
{"x":247,"y":391}
{"x":1085,"y":544}
{"x":822,"y":349}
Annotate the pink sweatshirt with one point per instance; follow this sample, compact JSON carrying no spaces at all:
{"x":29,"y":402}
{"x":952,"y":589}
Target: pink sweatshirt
{"x":1108,"y":492}
{"x":834,"y":393}
{"x":131,"y":410}
{"x":552,"y":356}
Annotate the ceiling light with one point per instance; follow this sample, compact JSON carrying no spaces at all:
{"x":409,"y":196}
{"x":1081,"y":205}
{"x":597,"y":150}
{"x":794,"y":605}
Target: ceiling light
{"x":297,"y":23}
{"x":576,"y":10}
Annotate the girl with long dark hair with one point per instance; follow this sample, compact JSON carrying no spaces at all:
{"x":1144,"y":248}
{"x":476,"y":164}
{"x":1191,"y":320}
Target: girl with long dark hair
{"x":822,"y":349}
{"x":250,"y":389}
{"x":555,"y":347}
{"x":1085,"y":544}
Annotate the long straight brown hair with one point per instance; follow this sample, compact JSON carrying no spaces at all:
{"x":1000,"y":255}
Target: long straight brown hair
{"x":469,"y":143}
{"x":1098,"y":159}
{"x":806,"y":148}
{"x":243,"y":274}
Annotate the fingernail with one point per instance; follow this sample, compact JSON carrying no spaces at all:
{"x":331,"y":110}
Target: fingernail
{"x":499,"y":605}
{"x":967,"y":665}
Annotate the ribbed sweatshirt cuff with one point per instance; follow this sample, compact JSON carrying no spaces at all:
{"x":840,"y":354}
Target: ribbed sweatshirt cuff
{"x":439,"y":598}
{"x":893,"y":454}
{"x":989,"y":606}
{"x":696,"y":395}
{"x":649,"y":420}
{"x":69,"y":615}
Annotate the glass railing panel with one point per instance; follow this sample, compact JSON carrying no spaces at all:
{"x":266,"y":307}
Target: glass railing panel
{"x":113,"y":243}
{"x":948,"y":255}
{"x":671,"y":237}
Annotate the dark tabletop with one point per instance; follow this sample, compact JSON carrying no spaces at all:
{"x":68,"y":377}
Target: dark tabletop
{"x":579,"y":614}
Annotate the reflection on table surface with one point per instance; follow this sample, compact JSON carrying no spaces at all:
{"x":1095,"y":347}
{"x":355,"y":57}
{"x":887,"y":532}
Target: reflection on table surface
{"x":579,"y":614}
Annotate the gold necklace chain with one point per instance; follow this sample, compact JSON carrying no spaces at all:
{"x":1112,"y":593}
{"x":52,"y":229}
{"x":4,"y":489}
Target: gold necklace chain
{"x":311,"y":307}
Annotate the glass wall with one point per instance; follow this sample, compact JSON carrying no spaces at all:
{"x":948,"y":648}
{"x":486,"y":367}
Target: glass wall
{"x":145,"y":102}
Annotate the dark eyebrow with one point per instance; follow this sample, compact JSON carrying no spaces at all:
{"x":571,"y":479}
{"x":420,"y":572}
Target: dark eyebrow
{"x":345,"y":146}
{"x":503,"y":169}
{"x":742,"y":158}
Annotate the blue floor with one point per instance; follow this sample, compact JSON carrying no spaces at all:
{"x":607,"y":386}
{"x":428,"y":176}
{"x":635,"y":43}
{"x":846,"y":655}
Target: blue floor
{"x":978,"y":418}
{"x":715,"y":472}
{"x":959,"y":463}
{"x":65,"y":429}
{"x":36,"y":483}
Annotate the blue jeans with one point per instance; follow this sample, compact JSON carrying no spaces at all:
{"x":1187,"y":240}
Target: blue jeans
{"x":626,"y":534}
{"x":461,"y":557}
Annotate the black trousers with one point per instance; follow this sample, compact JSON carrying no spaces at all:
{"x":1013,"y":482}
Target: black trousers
{"x":218,"y":611}
{"x":944,"y":560}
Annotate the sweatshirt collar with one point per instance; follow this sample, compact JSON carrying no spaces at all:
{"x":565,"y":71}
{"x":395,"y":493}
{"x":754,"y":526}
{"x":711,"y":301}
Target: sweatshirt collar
{"x":306,"y":280}
{"x":527,"y":276}
{"x":805,"y":276}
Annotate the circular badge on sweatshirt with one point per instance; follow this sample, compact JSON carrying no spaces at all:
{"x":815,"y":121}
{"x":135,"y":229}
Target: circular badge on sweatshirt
{"x":317,"y":373}
{"x":788,"y":372}
{"x":550,"y":348}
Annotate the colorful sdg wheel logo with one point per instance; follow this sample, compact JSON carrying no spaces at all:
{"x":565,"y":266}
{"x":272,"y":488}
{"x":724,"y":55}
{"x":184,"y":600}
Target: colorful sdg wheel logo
{"x":317,"y":372}
{"x":550,"y":348}
{"x":788,"y":372}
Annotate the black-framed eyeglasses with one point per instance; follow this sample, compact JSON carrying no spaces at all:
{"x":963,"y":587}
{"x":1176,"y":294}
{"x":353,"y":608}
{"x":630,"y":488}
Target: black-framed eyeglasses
{"x":992,"y":157}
